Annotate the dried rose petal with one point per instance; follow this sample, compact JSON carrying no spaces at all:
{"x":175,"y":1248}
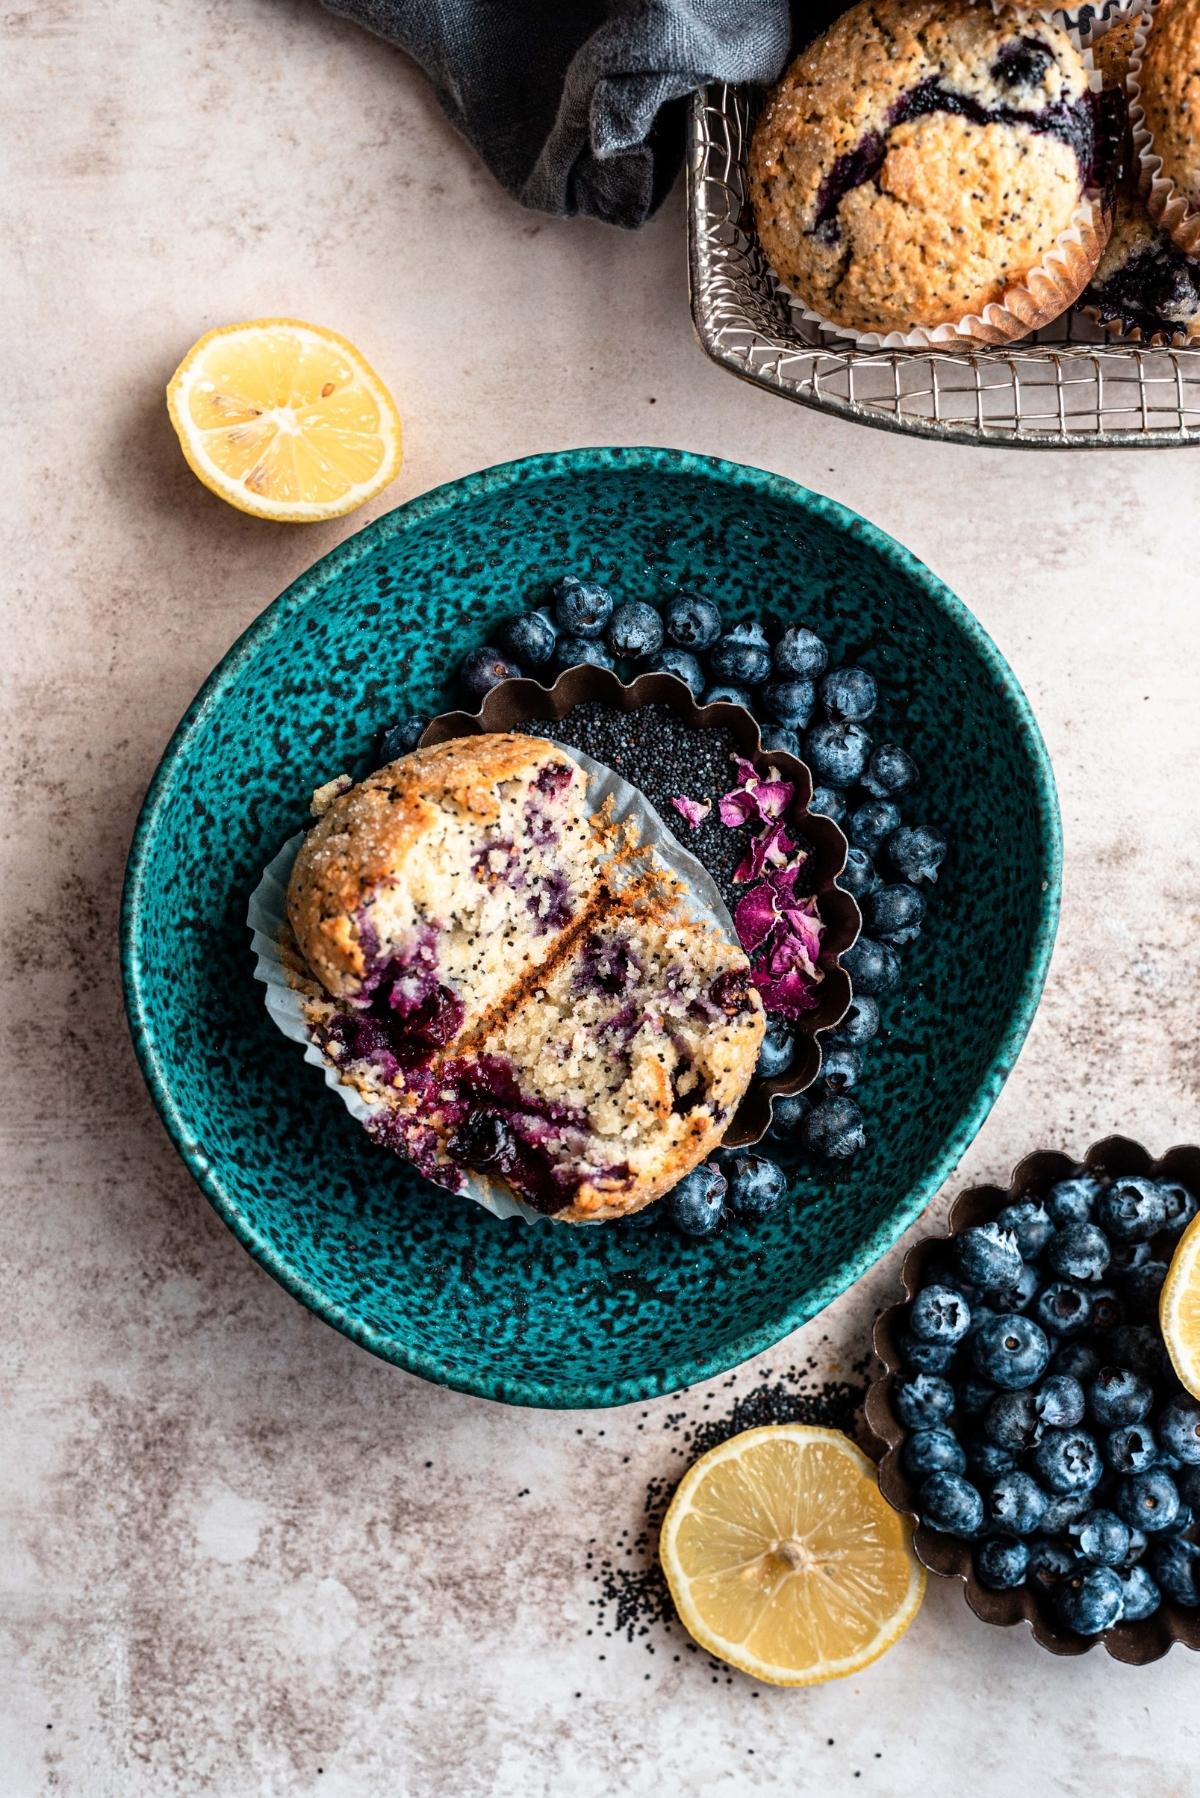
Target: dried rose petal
{"x":692,"y":811}
{"x":770,"y":849}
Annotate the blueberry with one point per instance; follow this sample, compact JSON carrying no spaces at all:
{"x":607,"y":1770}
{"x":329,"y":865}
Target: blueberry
{"x":834,"y":1130}
{"x":1104,"y":1539}
{"x":988,"y":1257}
{"x":789,"y":702}
{"x":1117,"y":1395}
{"x":575,"y":652}
{"x":1139,"y":1541}
{"x":1011,"y":1351}
{"x":837,"y":754}
{"x":646,"y":1217}
{"x":923,"y":1402}
{"x":788,"y":1113}
{"x":916,"y":853}
{"x":894,"y":914}
{"x":858,"y":876}
{"x":1065,"y":1509}
{"x":849,"y":693}
{"x":1016,"y":1503}
{"x":776,"y":1051}
{"x":1177,"y":1427}
{"x":1185,"y":1520}
{"x":1090,"y":1603}
{"x":1141,"y":1289}
{"x":529,"y":638}
{"x":1012,"y":1421}
{"x":1138,"y":1346}
{"x":731,"y":696}
{"x":974,"y":1396}
{"x":828,"y":803}
{"x":1001,"y":1563}
{"x":1049,"y":1561}
{"x":873,"y":967}
{"x":1018,"y":1297}
{"x":1128,"y":1255}
{"x":1188,"y":1481}
{"x":756,"y":1187}
{"x":482,"y":669}
{"x":683,"y":666}
{"x":400,"y":738}
{"x":801,"y":653}
{"x":933,"y":1451}
{"x":987,"y":1460}
{"x":581,"y":608}
{"x":1142,"y":1595}
{"x":950,"y":1504}
{"x":741,"y":655}
{"x":1131,"y":1449}
{"x":890,"y":770}
{"x":1060,"y":1402}
{"x":782,"y":740}
{"x":840,"y":1068}
{"x":1176,"y":1568}
{"x":859,"y":1025}
{"x":939,"y":1314}
{"x":1132,"y":1209}
{"x":1078,"y":1252}
{"x":1068,"y":1461}
{"x":691,"y":621}
{"x":924,"y":1357}
{"x":1071,"y":1201}
{"x":1029,"y":1222}
{"x":1148,"y":1501}
{"x":635,"y":629}
{"x":1181,"y":1205}
{"x":697,"y":1205}
{"x":1107,"y":1309}
{"x":1076,"y":1359}
{"x":872,"y":824}
{"x":1063,"y":1308}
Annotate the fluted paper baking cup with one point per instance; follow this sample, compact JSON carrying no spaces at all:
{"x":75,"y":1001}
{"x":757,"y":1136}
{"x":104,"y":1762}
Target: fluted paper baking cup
{"x":1167,"y":206}
{"x":640,"y":827}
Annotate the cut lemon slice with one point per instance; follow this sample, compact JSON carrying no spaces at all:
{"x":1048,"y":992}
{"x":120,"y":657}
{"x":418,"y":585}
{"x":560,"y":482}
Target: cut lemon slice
{"x":1179,"y":1308}
{"x":784,"y":1558}
{"x":285,"y":420}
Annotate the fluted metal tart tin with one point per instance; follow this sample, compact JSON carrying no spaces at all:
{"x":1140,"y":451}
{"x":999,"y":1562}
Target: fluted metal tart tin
{"x":1137,"y":1643}
{"x":517,"y":703}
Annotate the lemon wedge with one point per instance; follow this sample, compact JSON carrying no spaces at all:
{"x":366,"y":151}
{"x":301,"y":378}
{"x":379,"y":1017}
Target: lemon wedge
{"x":1179,"y":1308}
{"x":784,"y":1558}
{"x":285,"y":420}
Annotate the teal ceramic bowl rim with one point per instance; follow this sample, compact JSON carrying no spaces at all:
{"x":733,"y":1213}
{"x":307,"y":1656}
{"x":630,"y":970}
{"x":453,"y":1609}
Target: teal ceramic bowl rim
{"x":278,"y":616}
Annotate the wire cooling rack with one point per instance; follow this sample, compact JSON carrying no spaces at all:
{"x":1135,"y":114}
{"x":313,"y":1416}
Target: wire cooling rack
{"x":1066,"y":387}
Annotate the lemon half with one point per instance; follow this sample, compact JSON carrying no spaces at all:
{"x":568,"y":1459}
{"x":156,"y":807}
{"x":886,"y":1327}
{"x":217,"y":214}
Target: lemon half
{"x":1179,"y":1308}
{"x":285,"y":420}
{"x":784,"y":1558}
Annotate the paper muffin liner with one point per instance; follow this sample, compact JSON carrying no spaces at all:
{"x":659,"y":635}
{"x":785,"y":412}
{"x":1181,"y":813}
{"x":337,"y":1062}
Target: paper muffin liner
{"x":1043,"y":294}
{"x":1167,"y":206}
{"x":1076,"y":21}
{"x":641,"y":829}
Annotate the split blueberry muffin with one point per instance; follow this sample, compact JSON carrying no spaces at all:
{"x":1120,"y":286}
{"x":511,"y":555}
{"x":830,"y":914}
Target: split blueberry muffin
{"x":921,"y":160}
{"x":1146,"y":287}
{"x":1164,"y":83}
{"x":525,"y":996}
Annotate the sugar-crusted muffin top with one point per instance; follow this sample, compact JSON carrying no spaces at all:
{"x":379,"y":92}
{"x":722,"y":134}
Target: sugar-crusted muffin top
{"x":527,"y":997}
{"x":1169,"y":89}
{"x":920,"y":158}
{"x":1145,"y":284}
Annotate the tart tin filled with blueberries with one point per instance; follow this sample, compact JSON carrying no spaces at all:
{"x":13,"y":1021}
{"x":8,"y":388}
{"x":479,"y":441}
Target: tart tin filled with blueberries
{"x":776,"y":685}
{"x":1034,"y":1424}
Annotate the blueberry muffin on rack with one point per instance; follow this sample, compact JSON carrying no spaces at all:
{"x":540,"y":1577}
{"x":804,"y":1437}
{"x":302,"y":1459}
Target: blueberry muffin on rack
{"x":522,"y":995}
{"x":921,"y":159}
{"x":1146,"y":288}
{"x":1165,"y":93}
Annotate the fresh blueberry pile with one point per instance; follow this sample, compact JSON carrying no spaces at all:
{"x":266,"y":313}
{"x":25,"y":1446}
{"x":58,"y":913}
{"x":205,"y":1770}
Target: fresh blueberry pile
{"x":805,"y":708}
{"x":1046,"y":1425}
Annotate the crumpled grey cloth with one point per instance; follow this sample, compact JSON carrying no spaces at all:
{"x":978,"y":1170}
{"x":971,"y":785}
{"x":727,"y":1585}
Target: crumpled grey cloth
{"x":575,"y":105}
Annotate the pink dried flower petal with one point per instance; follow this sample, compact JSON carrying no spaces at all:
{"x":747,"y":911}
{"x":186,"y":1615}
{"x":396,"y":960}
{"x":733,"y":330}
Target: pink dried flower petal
{"x":692,"y":811}
{"x":755,"y":917}
{"x":737,"y":807}
{"x":770,"y":849}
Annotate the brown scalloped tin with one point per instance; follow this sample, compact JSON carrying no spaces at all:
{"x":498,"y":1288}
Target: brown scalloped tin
{"x":517,"y":702}
{"x":1136,"y":1643}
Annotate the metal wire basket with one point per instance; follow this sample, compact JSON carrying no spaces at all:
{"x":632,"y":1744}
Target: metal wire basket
{"x":1066,"y":387}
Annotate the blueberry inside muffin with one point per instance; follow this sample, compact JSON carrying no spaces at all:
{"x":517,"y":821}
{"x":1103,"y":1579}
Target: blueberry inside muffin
{"x":1145,"y":286}
{"x":920,"y":159}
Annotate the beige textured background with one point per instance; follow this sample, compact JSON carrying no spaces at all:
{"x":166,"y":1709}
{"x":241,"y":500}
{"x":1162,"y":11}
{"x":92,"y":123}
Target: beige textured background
{"x":236,"y":1555}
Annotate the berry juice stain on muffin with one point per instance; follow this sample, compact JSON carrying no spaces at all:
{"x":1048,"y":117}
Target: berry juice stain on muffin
{"x":919,"y":160}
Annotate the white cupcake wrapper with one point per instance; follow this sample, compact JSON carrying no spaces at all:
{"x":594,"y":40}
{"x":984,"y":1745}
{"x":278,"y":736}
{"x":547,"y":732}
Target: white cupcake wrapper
{"x":1046,"y":292}
{"x":631,"y":811}
{"x":1166,"y":205}
{"x":1071,"y":18}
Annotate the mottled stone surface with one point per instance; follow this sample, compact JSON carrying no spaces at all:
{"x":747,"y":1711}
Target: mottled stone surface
{"x":236,"y":1555}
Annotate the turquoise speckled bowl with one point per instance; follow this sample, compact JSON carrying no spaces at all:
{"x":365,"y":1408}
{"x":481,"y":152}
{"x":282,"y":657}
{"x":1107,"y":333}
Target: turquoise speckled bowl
{"x":545,"y":1314}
